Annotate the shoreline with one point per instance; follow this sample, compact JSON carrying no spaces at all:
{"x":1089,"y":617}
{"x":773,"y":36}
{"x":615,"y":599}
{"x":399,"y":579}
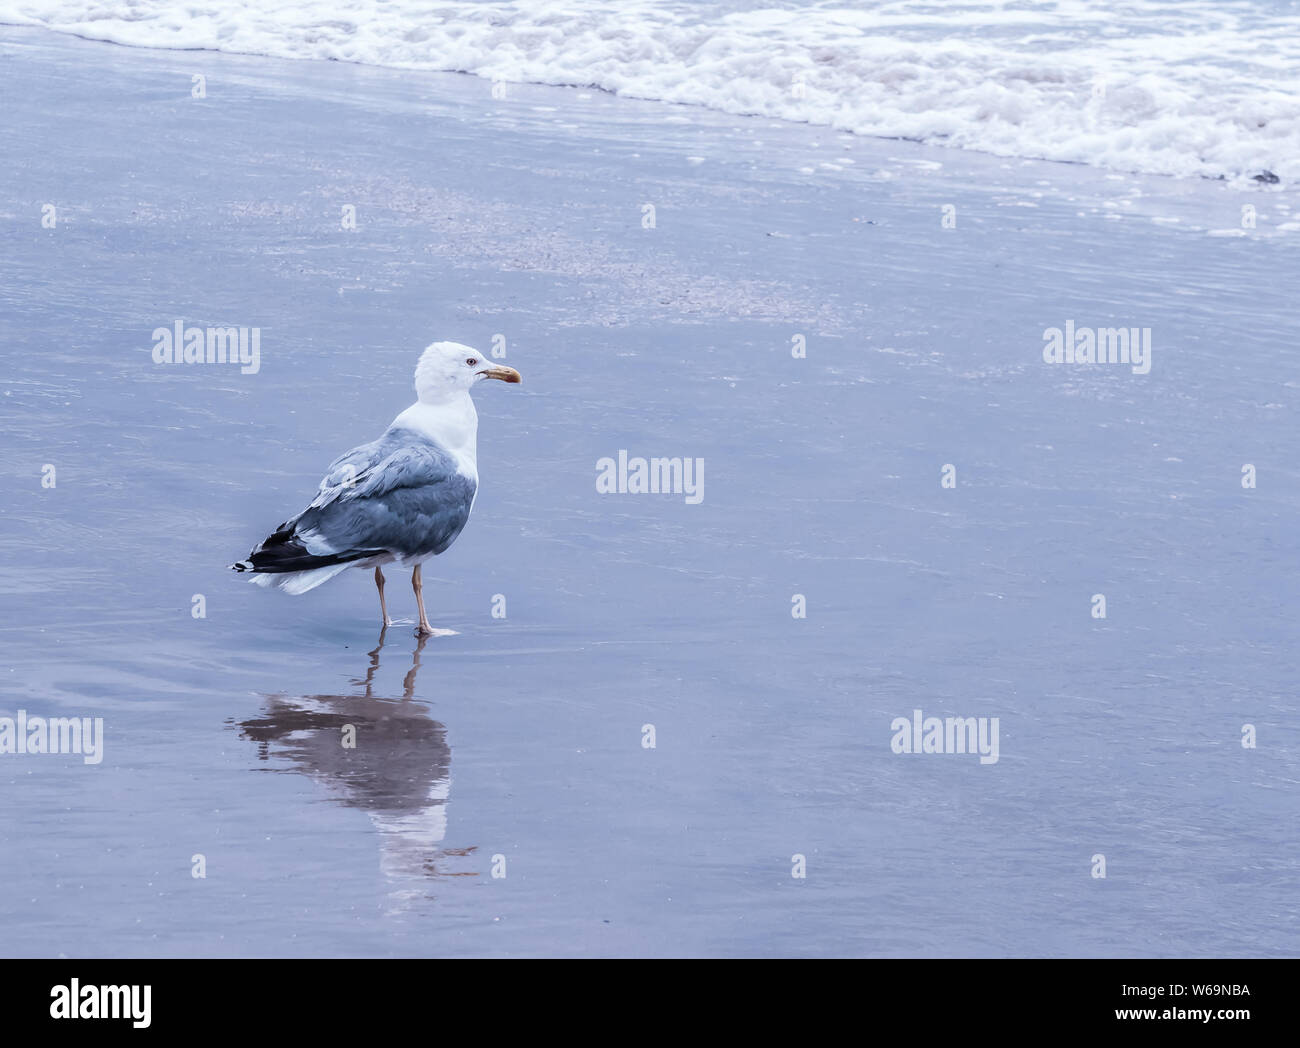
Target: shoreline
{"x":1246,"y":176}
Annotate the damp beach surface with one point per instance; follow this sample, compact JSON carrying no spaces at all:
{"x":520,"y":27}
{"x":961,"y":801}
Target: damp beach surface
{"x":905,"y":512}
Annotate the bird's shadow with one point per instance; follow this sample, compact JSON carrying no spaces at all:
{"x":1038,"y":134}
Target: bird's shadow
{"x":385,"y":756}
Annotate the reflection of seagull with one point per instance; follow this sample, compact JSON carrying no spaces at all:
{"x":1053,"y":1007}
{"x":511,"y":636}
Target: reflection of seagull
{"x":402,"y":498}
{"x":398,"y":771}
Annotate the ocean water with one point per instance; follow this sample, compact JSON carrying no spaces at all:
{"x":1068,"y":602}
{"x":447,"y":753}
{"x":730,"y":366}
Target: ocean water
{"x":502,"y":800}
{"x":1202,"y":87}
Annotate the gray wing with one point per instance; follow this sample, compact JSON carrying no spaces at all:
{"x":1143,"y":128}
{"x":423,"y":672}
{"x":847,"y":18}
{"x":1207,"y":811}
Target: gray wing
{"x":401,"y":493}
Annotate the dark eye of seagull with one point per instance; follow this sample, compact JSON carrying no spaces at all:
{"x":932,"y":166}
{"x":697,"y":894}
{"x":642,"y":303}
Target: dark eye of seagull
{"x":471,"y":362}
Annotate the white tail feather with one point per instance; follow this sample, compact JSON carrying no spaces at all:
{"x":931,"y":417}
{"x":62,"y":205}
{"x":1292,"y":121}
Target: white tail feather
{"x":296,"y":582}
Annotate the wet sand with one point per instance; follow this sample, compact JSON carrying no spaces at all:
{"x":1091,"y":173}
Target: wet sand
{"x":516,"y":744}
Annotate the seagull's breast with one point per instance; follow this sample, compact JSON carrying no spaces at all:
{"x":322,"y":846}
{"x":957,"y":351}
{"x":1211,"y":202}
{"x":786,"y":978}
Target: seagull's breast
{"x":452,"y":425}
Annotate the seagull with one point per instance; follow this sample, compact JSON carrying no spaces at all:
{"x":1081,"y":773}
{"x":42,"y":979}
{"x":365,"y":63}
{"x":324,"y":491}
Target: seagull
{"x":400,"y":499}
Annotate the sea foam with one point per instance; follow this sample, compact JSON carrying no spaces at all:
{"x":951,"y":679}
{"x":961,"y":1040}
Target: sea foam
{"x":1190,"y":88}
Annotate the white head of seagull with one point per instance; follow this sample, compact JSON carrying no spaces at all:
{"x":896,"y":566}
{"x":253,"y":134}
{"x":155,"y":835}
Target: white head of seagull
{"x":448,"y":368}
{"x":444,"y":412}
{"x":400,"y":499}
